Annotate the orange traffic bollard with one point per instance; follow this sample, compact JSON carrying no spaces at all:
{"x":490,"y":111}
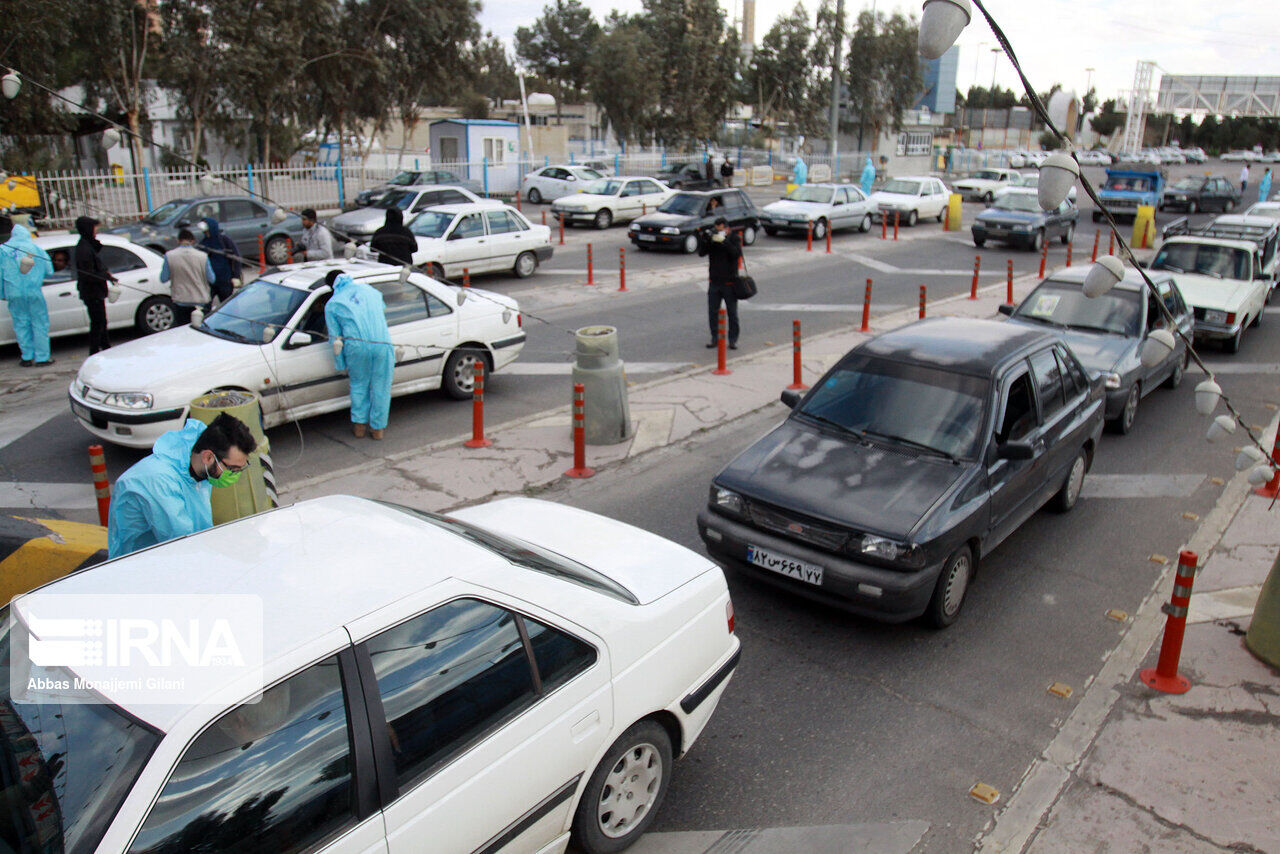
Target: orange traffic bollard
{"x":1009,"y":297}
{"x":591,"y":276}
{"x":884,"y":226}
{"x":895,"y":225}
{"x":977,"y":265}
{"x":518,"y":202}
{"x":561,"y":218}
{"x":866,"y":309}
{"x":1164,"y":676}
{"x":466,"y":277}
{"x":262,"y":257}
{"x":477,"y":439}
{"x":544,"y":216}
{"x":1044,"y":256}
{"x":1094,"y":256}
{"x":722,"y":368}
{"x":1272,"y":488}
{"x":1111,"y":243}
{"x":101,"y":488}
{"x":288,"y":245}
{"x":1071,"y":244}
{"x":922,"y":300}
{"x":580,"y":468}
{"x":797,"y":382}
{"x":808,"y":244}
{"x":828,"y":240}
{"x":622,"y":268}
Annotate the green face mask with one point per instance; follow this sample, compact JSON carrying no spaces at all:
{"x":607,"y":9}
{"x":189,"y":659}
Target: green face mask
{"x":227,"y":478}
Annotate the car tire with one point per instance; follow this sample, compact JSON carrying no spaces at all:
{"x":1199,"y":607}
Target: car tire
{"x":1232,"y":344}
{"x":635,"y":771}
{"x":435,"y":270}
{"x":865,"y":225}
{"x":1037,"y":241}
{"x":604,"y":219}
{"x":950,"y":589}
{"x":748,"y":235}
{"x":1179,"y":371}
{"x":820,"y":229}
{"x":772,"y":232}
{"x":535,"y":196}
{"x":979,"y":242}
{"x":1069,"y":493}
{"x":525,"y":266}
{"x":276,"y":250}
{"x":156,"y":314}
{"x":1192,"y":207}
{"x":988,"y":198}
{"x":913,"y":218}
{"x":1069,"y":234}
{"x":459,"y":381}
{"x":1123,"y":422}
{"x":690,"y":244}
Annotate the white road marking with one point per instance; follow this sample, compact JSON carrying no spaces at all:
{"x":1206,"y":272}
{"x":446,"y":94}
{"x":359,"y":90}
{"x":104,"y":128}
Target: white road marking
{"x":48,"y":496}
{"x":868,"y":261}
{"x":1244,"y":367}
{"x":813,"y":307}
{"x":552,"y":369}
{"x":1141,"y":485}
{"x":27,"y":417}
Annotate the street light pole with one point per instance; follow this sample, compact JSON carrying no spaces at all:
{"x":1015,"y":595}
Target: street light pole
{"x":1088,"y":81}
{"x":835,"y":89}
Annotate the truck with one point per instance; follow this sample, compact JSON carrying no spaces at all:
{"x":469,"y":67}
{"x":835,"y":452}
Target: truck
{"x":1128,"y":187}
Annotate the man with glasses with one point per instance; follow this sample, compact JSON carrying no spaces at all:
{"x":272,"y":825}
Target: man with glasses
{"x":166,"y":495}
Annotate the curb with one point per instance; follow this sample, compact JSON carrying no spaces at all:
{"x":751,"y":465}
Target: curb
{"x":36,"y":551}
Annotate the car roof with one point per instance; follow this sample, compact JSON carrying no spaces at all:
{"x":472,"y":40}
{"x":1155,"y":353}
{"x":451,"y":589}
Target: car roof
{"x":913,"y":178}
{"x":472,"y":207}
{"x":303,"y":277}
{"x":719,"y":191}
{"x":65,"y":238}
{"x":1132,"y":280}
{"x":1246,"y":245}
{"x":1264,"y":222}
{"x":963,"y":344}
{"x":421,"y":188}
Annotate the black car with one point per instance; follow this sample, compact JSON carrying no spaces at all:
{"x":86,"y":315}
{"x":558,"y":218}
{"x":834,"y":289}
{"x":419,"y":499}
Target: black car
{"x":906,"y":464}
{"x":689,"y":176}
{"x":1199,"y":193}
{"x":677,"y":221}
{"x":413,"y":178}
{"x":1017,"y":219}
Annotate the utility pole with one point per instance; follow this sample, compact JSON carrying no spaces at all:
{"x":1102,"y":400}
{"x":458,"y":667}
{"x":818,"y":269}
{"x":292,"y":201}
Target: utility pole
{"x":835,"y":88}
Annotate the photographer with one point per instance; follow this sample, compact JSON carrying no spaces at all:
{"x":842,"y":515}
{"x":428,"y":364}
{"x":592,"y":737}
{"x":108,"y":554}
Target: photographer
{"x":723,"y":250}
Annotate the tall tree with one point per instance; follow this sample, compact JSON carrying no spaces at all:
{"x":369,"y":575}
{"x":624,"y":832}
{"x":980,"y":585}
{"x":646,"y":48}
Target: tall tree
{"x":492,"y":73}
{"x":781,"y":75}
{"x":625,"y":54}
{"x":884,"y":77}
{"x":37,"y":43}
{"x":191,"y":53}
{"x":698,"y":58}
{"x":558,"y":48}
{"x":117,"y":59}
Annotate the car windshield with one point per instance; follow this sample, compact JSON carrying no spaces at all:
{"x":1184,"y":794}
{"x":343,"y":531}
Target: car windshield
{"x":405,"y":179}
{"x":66,"y":766}
{"x":684,"y":205}
{"x":1187,"y":184}
{"x":603,"y":188}
{"x":810,"y":193}
{"x":431,"y":223}
{"x":898,"y":185}
{"x":399,"y":199}
{"x":1061,"y":304}
{"x":166,"y":213}
{"x":986,"y":175}
{"x":1131,"y":185}
{"x":919,"y":405}
{"x":1203,"y":259}
{"x":256,"y":314}
{"x":1017,"y":202}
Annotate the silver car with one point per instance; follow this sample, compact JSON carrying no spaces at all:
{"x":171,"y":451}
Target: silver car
{"x":360,"y":224}
{"x":820,"y":206}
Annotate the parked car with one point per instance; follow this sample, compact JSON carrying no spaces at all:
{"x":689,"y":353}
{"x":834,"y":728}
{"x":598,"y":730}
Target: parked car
{"x":1272,"y":156}
{"x":416,"y":178}
{"x":819,"y":206}
{"x":270,"y":339}
{"x":241,"y":218}
{"x":144,"y":300}
{"x":485,"y":681}
{"x":609,"y":200}
{"x":360,"y":224}
{"x":690,"y":176}
{"x":677,"y":221}
{"x":912,"y":198}
{"x":604,"y":167}
{"x":1106,"y":333}
{"x":1172,"y":156}
{"x":1030,"y":181}
{"x":1200,"y":193}
{"x":1017,"y":219}
{"x":906,"y":464}
{"x":478,"y":238}
{"x":1096,"y":157}
{"x":551,"y":182}
{"x":1195,"y":155}
{"x":1263,"y":209}
{"x":1240,"y":155}
{"x":983,"y":184}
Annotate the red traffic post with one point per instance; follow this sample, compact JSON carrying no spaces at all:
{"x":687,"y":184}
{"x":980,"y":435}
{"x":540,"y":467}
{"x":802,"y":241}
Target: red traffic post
{"x":808,"y":243}
{"x":1111,"y":243}
{"x":561,"y":218}
{"x":1009,"y":296}
{"x":797,"y":382}
{"x":1093,"y":257}
{"x":622,"y":268}
{"x":262,"y":256}
{"x":977,"y":265}
{"x":866,"y":309}
{"x":466,"y":277}
{"x":544,"y":216}
{"x":518,"y":202}
{"x":884,"y":226}
{"x":1164,"y":676}
{"x":922,"y":301}
{"x":644,"y":208}
{"x":580,"y":469}
{"x":477,"y":439}
{"x":591,"y":276}
{"x":828,"y":240}
{"x":1070,"y":246}
{"x":895,"y":225}
{"x":1272,"y":488}
{"x":101,"y":488}
{"x":722,"y":368}
{"x":288,"y":245}
{"x":1044,"y":256}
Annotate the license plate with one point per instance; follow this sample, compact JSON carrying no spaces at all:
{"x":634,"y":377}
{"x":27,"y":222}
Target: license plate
{"x":81,"y":412}
{"x":648,"y":237}
{"x":807,"y":572}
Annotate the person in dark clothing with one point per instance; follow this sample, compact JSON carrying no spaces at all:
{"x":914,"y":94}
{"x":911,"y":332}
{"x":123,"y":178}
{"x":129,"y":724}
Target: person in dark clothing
{"x":92,"y":277}
{"x":709,"y":170}
{"x":224,"y":258}
{"x":726,"y":172}
{"x":723,"y":250}
{"x":394,"y":243}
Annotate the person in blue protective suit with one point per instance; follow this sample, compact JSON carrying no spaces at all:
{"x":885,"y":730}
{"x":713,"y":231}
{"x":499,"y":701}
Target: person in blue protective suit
{"x":166,"y":495}
{"x":24,"y":294}
{"x":357,"y":321}
{"x":868,"y":176}
{"x":1264,"y":186}
{"x":801,"y":175}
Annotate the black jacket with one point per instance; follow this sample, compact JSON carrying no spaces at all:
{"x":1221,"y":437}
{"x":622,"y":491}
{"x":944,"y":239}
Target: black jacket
{"x":393,"y":243}
{"x":722,"y":258}
{"x":91,"y":274}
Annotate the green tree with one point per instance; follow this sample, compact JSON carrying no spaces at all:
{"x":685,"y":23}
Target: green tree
{"x":1108,"y":120}
{"x":781,"y":72}
{"x":558,"y":48}
{"x":492,"y":74}
{"x":1049,"y":141}
{"x":624,"y":57}
{"x":699,"y":63}
{"x":884,"y":77}
{"x":190,"y":55}
{"x":37,"y":47}
{"x":117,"y":62}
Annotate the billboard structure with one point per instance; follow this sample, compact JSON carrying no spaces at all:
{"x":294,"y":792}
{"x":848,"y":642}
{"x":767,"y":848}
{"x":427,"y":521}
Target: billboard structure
{"x":1219,"y":95}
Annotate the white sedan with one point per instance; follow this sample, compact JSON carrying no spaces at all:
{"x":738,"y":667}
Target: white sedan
{"x":270,"y":339}
{"x":478,"y":239}
{"x":609,"y":200}
{"x":819,"y":206}
{"x":984,"y":184}
{"x":912,"y":198}
{"x":345,"y":676}
{"x":551,"y":182}
{"x":143,"y":303}
{"x":1029,"y":181}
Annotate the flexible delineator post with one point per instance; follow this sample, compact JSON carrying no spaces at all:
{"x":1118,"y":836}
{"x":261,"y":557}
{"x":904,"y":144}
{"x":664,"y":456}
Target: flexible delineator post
{"x":722,"y":368}
{"x":797,"y":381}
{"x":977,"y":265}
{"x":101,"y":488}
{"x":1164,"y":676}
{"x":580,"y":469}
{"x":866,"y":309}
{"x":477,"y":439}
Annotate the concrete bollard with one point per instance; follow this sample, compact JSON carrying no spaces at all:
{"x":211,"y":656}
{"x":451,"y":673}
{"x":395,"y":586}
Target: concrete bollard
{"x":601,"y":372}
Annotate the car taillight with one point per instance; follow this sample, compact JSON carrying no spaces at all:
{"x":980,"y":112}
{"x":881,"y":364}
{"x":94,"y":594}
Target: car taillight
{"x":520,"y":320}
{"x":728,"y":614}
{"x":1231,"y":317}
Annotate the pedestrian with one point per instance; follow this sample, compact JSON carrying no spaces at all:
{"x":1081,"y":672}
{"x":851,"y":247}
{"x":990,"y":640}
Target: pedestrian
{"x":92,"y":278}
{"x":394,"y":244}
{"x":801,"y":175}
{"x":190,"y":274}
{"x":1264,"y":186}
{"x":224,"y":258}
{"x":24,"y":292}
{"x":166,"y":495}
{"x":723,"y":250}
{"x":726,"y":172}
{"x":317,"y":242}
{"x":868,"y":176}
{"x":1244,"y":178}
{"x":357,"y":320}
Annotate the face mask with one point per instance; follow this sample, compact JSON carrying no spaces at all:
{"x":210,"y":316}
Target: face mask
{"x":227,"y":478}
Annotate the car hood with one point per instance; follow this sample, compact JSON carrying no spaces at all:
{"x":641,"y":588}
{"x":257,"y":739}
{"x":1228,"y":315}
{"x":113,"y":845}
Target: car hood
{"x":1009,"y":217}
{"x":1218,"y":294}
{"x":883,"y":198}
{"x":169,"y":364}
{"x":868,"y":488}
{"x":788,"y":207}
{"x":364,"y":220}
{"x":659,"y":220}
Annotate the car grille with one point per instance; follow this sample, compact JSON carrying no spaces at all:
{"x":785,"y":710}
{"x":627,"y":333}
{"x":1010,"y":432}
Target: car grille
{"x":797,"y":527}
{"x":1120,"y":203}
{"x":92,"y":394}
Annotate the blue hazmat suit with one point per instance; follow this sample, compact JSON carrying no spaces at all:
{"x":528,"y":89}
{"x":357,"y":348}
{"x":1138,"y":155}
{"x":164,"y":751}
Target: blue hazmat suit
{"x":24,"y":293}
{"x":157,"y":499}
{"x":868,"y":176}
{"x":802,"y":171}
{"x":356,"y":314}
{"x":1264,"y":188}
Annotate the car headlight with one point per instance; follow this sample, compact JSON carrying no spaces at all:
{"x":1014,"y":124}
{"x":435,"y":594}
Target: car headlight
{"x":727,"y":501}
{"x":635,"y":226}
{"x":1215,"y":316}
{"x":882,"y":548}
{"x":128,"y":400}
{"x":670,"y":229}
{"x":1022,"y":228}
{"x":798,"y":218}
{"x":1111,"y":379}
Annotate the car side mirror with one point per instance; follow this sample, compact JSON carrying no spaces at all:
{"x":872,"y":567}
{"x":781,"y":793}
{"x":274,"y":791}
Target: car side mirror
{"x":838,"y":204}
{"x":1144,"y":264}
{"x":299,"y":339}
{"x":1014,"y":451}
{"x":1006,"y":309}
{"x":790,"y":397}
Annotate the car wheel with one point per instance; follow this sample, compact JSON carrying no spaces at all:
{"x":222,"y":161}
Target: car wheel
{"x":535,"y":197}
{"x":913,"y":218}
{"x":820,"y":229}
{"x":979,"y":242}
{"x":459,"y":372}
{"x":949,"y":591}
{"x":277,"y":250}
{"x":748,"y":235}
{"x":1232,"y":344}
{"x":1069,"y":234}
{"x":1037,"y":241}
{"x":1179,"y":371}
{"x":1123,"y":422}
{"x":1192,"y":207}
{"x":865,"y":225}
{"x":1066,"y":497}
{"x":526,"y":265}
{"x":625,"y":791}
{"x":604,"y":218}
{"x":435,"y":271}
{"x":156,"y":314}
{"x":772,"y":232}
{"x":690,"y":244}
{"x":989,"y":197}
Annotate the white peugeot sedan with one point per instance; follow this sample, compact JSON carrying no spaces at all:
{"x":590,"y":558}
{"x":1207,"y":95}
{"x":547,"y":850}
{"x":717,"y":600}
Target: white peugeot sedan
{"x":143,"y":303}
{"x":609,"y":200}
{"x":270,"y":339}
{"x":505,"y":679}
{"x":360,"y":224}
{"x":912,"y":198}
{"x":551,"y":182}
{"x":1222,"y":280}
{"x":985,"y":183}
{"x":1028,"y":181}
{"x":819,"y":206}
{"x":479,"y":239}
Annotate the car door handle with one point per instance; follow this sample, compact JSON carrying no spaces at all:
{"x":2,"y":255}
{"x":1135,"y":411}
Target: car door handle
{"x":143,"y":281}
{"x":65,"y":294}
{"x":585,"y":727}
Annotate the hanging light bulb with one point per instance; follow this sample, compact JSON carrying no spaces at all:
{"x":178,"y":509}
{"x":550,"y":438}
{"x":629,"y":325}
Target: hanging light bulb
{"x":4,"y":176}
{"x":941,"y":23}
{"x":462,"y":295}
{"x":1103,"y":276}
{"x":11,"y":83}
{"x":1208,"y":393}
{"x":1249,"y":456}
{"x":1222,"y":426}
{"x":279,"y":215}
{"x":110,"y":137}
{"x":25,"y":264}
{"x":1058,"y":175}
{"x":1261,"y":476}
{"x":1159,"y":344}
{"x":206,"y":184}
{"x":349,"y":250}
{"x":197,"y":316}
{"x":12,"y":185}
{"x":404,"y":273}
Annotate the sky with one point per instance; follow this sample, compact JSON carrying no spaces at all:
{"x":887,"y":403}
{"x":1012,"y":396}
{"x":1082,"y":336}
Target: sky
{"x":1056,"y":43}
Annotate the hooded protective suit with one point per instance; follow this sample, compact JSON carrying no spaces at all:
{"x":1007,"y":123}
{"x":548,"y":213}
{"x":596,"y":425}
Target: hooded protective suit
{"x":223,"y":258}
{"x":802,"y":171}
{"x":394,"y":243}
{"x":1264,"y":186}
{"x":23,"y":291}
{"x":157,"y":499}
{"x":868,"y":176}
{"x":356,"y":314}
